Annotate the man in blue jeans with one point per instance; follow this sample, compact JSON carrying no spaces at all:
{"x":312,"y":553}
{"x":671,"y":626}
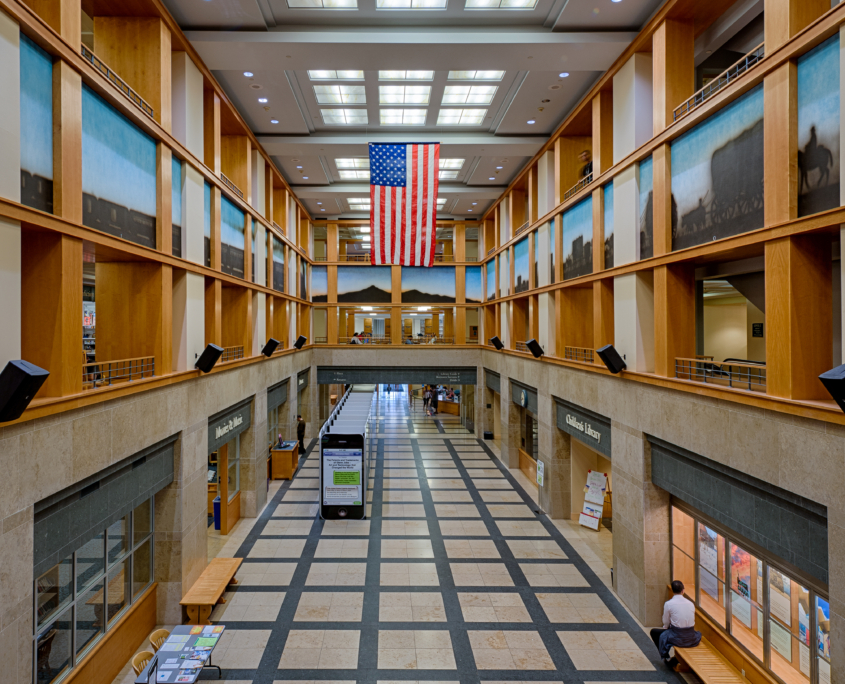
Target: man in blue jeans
{"x":678,"y":625}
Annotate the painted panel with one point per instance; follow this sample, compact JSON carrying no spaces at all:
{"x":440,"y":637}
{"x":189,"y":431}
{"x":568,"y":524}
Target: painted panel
{"x":504,"y":274}
{"x":646,"y":186}
{"x":428,"y":285}
{"x":818,"y":129}
{"x":303,"y":279}
{"x":319,"y":284}
{"x":578,"y":240}
{"x":176,"y":205}
{"x":473,"y":284}
{"x":118,"y":173}
{"x":608,"y":225}
{"x":36,"y":126}
{"x":206,"y":219}
{"x":278,"y":265}
{"x":491,"y":279}
{"x":367,"y":284}
{"x":717,"y":175}
{"x":231,"y":239}
{"x":552,"y":234}
{"x":520,"y":266}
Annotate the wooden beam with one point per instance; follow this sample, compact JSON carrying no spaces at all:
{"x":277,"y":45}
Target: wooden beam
{"x":662,"y":200}
{"x":67,"y":142}
{"x":213,"y":311}
{"x":602,"y":132}
{"x":674,"y":316}
{"x":780,"y":145}
{"x":211,"y":130}
{"x":785,"y":18}
{"x":602,"y":313}
{"x":235,"y":162}
{"x":673,"y":69}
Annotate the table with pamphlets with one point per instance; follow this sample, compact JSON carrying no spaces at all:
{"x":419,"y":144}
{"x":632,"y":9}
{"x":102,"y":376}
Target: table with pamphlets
{"x":183,"y":656}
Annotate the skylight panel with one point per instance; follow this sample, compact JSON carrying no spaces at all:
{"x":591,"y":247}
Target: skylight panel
{"x":441,"y":201}
{"x":461,"y":117}
{"x":358,"y":203}
{"x":323,"y":4}
{"x":405,"y":75}
{"x":354,"y":174}
{"x":464,"y":94}
{"x":451,"y":163}
{"x":404,"y":94}
{"x":448,"y":175}
{"x":344,"y":117}
{"x":340,"y":94}
{"x":353,"y":163}
{"x":335,"y":75}
{"x":476,"y":75}
{"x":410,"y":4}
{"x":501,"y":4}
{"x":402,"y":117}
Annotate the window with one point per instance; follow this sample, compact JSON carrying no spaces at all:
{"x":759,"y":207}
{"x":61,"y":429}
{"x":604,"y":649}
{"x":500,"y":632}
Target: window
{"x":397,"y":94}
{"x":403,"y":117}
{"x":83,"y":596}
{"x":760,"y":605}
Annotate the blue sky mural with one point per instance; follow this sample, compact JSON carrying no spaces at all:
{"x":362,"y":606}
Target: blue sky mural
{"x":428,"y":285}
{"x":231,"y":224}
{"x":474,"y":290}
{"x":504,"y":274}
{"x":176,"y":192}
{"x":363,"y":284}
{"x":36,"y":110}
{"x":608,"y":225}
{"x":491,"y":279}
{"x":646,"y":185}
{"x":319,"y":284}
{"x":278,"y":250}
{"x":818,"y":129}
{"x":520,"y":266}
{"x":206,"y":213}
{"x":118,"y":160}
{"x":552,"y":232}
{"x":578,"y":239}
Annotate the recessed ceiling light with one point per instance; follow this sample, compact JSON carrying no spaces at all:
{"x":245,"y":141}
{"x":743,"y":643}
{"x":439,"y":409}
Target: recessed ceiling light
{"x":565,"y":74}
{"x":531,"y":121}
{"x":322,"y":209}
{"x":262,"y":100}
{"x":616,"y":0}
{"x":469,"y":209}
{"x":299,"y":167}
{"x":295,"y":161}
{"x":474,"y":203}
{"x":366,"y":308}
{"x":319,"y":204}
{"x":492,"y":178}
{"x":248,"y":74}
{"x":500,"y":167}
{"x":305,"y":178}
{"x":274,"y":121}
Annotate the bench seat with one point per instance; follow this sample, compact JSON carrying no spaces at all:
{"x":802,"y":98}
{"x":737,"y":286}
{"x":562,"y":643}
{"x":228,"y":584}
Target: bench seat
{"x":710,"y":665}
{"x":208,"y":590}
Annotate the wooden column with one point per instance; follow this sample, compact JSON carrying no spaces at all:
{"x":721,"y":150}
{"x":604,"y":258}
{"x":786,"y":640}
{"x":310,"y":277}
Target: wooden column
{"x":532,"y":194}
{"x":598,"y":230}
{"x":532,"y":247}
{"x":331,"y":242}
{"x":280,"y":321}
{"x":63,"y":16}
{"x":213,"y":311}
{"x":268,"y":250}
{"x":602,"y":313}
{"x":248,"y":256}
{"x":350,"y":322}
{"x":448,"y":323}
{"x":559,"y":323}
{"x":673,"y":65}
{"x":460,"y":325}
{"x":602,"y":132}
{"x":396,"y":284}
{"x":164,"y":199}
{"x":780,"y":141}
{"x":211,"y":130}
{"x":331,"y":325}
{"x":138,"y":50}
{"x":557,"y":226}
{"x":533,"y":317}
{"x":395,"y":325}
{"x":51,"y":309}
{"x":662,"y":226}
{"x":674,"y":316}
{"x":268,"y":193}
{"x":784,"y":18}
{"x":798,"y":316}
{"x":460,"y":242}
{"x":269,"y":317}
{"x":234,"y":162}
{"x":67,"y":141}
{"x":216,"y":253}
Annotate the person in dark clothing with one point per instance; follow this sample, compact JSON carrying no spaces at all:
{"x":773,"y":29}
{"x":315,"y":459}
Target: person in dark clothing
{"x":678,"y":625}
{"x":587,"y":160}
{"x":434,"y":402}
{"x":300,"y":433}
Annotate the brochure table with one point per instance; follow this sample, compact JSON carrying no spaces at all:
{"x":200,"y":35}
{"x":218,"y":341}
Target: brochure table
{"x":183,"y":656}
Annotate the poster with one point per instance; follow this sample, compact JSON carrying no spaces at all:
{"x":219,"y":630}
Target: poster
{"x":589,"y":521}
{"x":781,"y":640}
{"x":709,"y":560}
{"x":593,"y":499}
{"x":342,"y":477}
{"x":779,"y":603}
{"x":741,"y":609}
{"x":541,"y":469}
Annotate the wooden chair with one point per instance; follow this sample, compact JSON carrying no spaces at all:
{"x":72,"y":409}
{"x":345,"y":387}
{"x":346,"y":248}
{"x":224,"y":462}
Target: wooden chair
{"x":157,"y":638}
{"x":139,"y":662}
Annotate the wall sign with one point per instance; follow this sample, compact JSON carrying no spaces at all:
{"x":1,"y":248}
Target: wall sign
{"x":493,"y":381}
{"x":541,"y":471}
{"x":590,"y":428}
{"x":415,"y":375}
{"x":277,"y":395}
{"x":302,"y":380}
{"x":756,"y":330}
{"x":525,"y":396}
{"x":224,"y":426}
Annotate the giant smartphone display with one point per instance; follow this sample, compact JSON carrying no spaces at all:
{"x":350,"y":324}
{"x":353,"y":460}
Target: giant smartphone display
{"x":342,"y":477}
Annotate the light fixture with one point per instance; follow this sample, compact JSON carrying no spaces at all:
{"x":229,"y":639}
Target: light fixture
{"x":465,"y":94}
{"x":344,"y":117}
{"x":564,"y":74}
{"x":474,"y":203}
{"x":305,"y":178}
{"x":616,"y":0}
{"x":262,"y":100}
{"x":332,"y":75}
{"x":365,"y":229}
{"x":366,"y":308}
{"x":469,"y":209}
{"x":319,"y":204}
{"x":340,"y":94}
{"x":500,"y":167}
{"x":274,"y":121}
{"x":461,"y":117}
{"x":531,"y":121}
{"x":476,"y":75}
{"x":299,"y":167}
{"x":413,"y":314}
{"x":248,"y":74}
{"x":322,"y":209}
{"x":492,"y":178}
{"x":423,"y":308}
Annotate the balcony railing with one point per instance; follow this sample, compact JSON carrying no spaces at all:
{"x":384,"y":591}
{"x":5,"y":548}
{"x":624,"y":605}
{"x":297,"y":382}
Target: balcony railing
{"x":365,"y":257}
{"x":490,"y":251}
{"x":580,"y":185}
{"x":580,"y":354}
{"x":472,"y":340}
{"x":524,"y":226}
{"x":471,"y":259}
{"x":229,"y":184}
{"x":232,"y":354}
{"x":321,"y":340}
{"x":122,"y":85}
{"x":369,"y":339}
{"x":320,"y":258}
{"x":444,"y":257}
{"x":429,"y":339}
{"x":105,"y":373}
{"x":730,"y":373}
{"x":726,"y":77}
{"x":521,"y":347}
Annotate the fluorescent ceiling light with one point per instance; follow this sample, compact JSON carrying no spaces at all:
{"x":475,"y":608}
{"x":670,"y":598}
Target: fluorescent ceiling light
{"x":340,"y":94}
{"x":402,"y":117}
{"x":448,"y":175}
{"x":397,"y":94}
{"x":353,"y":163}
{"x":364,"y":229}
{"x":248,"y":74}
{"x":476,"y":75}
{"x":358,"y":203}
{"x":464,"y":94}
{"x":323,"y":4}
{"x":366,"y":308}
{"x":423,"y":308}
{"x":441,"y":201}
{"x":354,"y":174}
{"x":500,"y":4}
{"x":410,"y":4}
{"x":344,"y":117}
{"x":333,"y":75}
{"x":451,"y":163}
{"x":461,"y":117}
{"x":405,"y":75}
{"x":413,"y":314}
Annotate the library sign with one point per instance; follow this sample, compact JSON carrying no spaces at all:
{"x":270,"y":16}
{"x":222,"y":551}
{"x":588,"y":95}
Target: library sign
{"x":227,"y":424}
{"x":590,"y":428}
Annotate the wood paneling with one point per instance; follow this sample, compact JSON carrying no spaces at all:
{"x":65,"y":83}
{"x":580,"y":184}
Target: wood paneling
{"x":784,"y":18}
{"x":235,"y":318}
{"x":213,"y":311}
{"x":519,"y":321}
{"x":673,"y":69}
{"x":51,"y":309}
{"x":234,"y":513}
{"x":780,"y":141}
{"x":460,"y":325}
{"x":269,"y":317}
{"x":602,"y":312}
{"x":331,"y":325}
{"x":216,"y":255}
{"x":234,"y":162}
{"x":164,"y":199}
{"x":460,"y":284}
{"x":532,"y":194}
{"x":577,"y":313}
{"x":568,"y":166}
{"x":63,"y":16}
{"x":331,"y":279}
{"x":211,"y":130}
{"x":602,"y":132}
{"x":396,"y":284}
{"x":662,"y":225}
{"x":280,"y":323}
{"x":331,"y":242}
{"x":395,"y":325}
{"x":67,"y":142}
{"x":674,"y":316}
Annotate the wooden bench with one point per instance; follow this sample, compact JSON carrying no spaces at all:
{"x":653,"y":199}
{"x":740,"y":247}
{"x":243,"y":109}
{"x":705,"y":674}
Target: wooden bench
{"x":710,"y":665}
{"x":208,"y":590}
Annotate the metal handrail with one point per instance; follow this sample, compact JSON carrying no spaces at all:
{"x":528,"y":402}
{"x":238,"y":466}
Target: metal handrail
{"x":580,"y":185}
{"x":428,"y":339}
{"x":444,"y":257}
{"x":378,"y":339}
{"x":104,"y":373}
{"x":321,"y":258}
{"x":521,"y":347}
{"x":116,"y":80}
{"x":522,"y":227}
{"x":471,"y":259}
{"x":490,"y":251}
{"x":354,"y":257}
{"x":728,"y":76}
{"x":581,"y":354}
{"x":232,"y":354}
{"x":321,"y":340}
{"x":744,"y":376}
{"x":229,"y":184}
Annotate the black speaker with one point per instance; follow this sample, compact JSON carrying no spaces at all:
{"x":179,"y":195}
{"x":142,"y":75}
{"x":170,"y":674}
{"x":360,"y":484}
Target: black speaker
{"x":19,"y":382}
{"x":833,"y":381}
{"x":611,"y":358}
{"x":270,"y":347}
{"x":535,"y":348}
{"x":496,"y":342}
{"x":210,"y":355}
{"x":301,"y":340}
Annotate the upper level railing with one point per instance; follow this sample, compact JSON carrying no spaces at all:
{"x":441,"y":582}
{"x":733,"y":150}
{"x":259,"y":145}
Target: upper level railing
{"x":521,"y":347}
{"x":321,"y":258}
{"x":122,"y":85}
{"x":429,"y":339}
{"x":104,"y":373}
{"x":232,"y":354}
{"x":321,"y":340}
{"x":524,"y":226}
{"x":729,"y":373}
{"x":728,"y":76}
{"x":365,"y":339}
{"x":354,"y":257}
{"x":490,"y":251}
{"x":580,"y":185}
{"x":229,"y":184}
{"x":581,"y":354}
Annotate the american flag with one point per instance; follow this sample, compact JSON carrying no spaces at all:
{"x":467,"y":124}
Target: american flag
{"x":403,"y":203}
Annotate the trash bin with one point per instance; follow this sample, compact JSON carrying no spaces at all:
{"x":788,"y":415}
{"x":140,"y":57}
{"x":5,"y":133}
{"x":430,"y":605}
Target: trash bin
{"x":217,"y":513}
{"x":488,"y":435}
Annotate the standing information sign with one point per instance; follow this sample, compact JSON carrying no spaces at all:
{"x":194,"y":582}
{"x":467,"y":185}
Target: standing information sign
{"x":593,"y":499}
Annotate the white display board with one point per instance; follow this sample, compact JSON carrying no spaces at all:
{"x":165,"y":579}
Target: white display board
{"x":594,"y":492}
{"x":541,"y":470}
{"x":342,"y":477}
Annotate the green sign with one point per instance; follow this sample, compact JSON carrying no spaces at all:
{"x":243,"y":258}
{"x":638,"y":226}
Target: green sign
{"x":346,"y":477}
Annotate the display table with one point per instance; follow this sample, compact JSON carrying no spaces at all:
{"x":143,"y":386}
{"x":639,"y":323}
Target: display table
{"x":184,"y":655}
{"x":284,"y":460}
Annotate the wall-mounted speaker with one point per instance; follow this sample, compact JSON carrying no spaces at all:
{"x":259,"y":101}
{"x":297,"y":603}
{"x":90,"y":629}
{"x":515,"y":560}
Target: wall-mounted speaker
{"x":611,"y":358}
{"x":270,"y":347}
{"x":833,"y":381}
{"x":496,"y":342}
{"x":535,"y":348}
{"x":210,"y":355}
{"x":301,"y":340}
{"x":19,"y":382}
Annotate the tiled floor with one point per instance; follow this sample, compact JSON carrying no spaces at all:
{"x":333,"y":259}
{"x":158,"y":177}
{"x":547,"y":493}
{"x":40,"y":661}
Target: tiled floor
{"x":453,"y":575}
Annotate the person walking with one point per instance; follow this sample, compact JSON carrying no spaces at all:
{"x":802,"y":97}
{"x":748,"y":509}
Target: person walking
{"x":678,"y":625}
{"x":433,"y":402}
{"x":300,"y":434}
{"x":426,"y":399}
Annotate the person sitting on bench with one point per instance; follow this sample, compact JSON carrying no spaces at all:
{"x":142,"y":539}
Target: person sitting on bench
{"x":678,"y":625}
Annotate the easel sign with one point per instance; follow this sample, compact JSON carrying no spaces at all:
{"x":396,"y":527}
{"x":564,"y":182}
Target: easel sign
{"x":593,"y":499}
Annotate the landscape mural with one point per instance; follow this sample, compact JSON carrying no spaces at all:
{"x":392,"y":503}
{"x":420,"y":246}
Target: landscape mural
{"x":303,"y":279}
{"x":319,"y":284}
{"x":176,"y":206}
{"x":278,"y":265}
{"x":422,"y":285}
{"x":608,"y":225}
{"x":646,"y":185}
{"x":504,"y":274}
{"x":520,"y":266}
{"x":118,"y":174}
{"x":369,"y":284}
{"x":231,"y":239}
{"x":206,"y":222}
{"x":818,"y":129}
{"x":552,"y":232}
{"x":36,"y":73}
{"x":717,"y":174}
{"x":474,"y":290}
{"x":491,"y":279}
{"x":578,"y":240}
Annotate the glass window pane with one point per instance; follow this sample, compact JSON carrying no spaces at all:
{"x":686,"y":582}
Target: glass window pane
{"x":789,"y":626}
{"x":54,"y":589}
{"x":683,"y":526}
{"x":790,"y":658}
{"x":142,"y":566}
{"x":823,"y":620}
{"x":747,"y":600}
{"x":53,"y":650}
{"x":117,"y":539}
{"x":90,"y":562}
{"x":683,"y":568}
{"x":142,"y":521}
{"x":118,"y":588}
{"x":711,"y":550}
{"x":89,"y":616}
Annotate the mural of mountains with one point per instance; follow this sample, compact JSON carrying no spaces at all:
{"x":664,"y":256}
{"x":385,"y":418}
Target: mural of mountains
{"x":369,"y":295}
{"x":417,"y":297}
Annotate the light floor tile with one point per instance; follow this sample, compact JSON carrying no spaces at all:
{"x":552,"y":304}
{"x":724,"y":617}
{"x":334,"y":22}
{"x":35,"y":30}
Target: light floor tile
{"x":471,"y":548}
{"x":553,"y":575}
{"x":336,"y":574}
{"x":342,"y":548}
{"x":453,"y":483}
{"x":578,"y":608}
{"x":277,"y":548}
{"x":346,"y":528}
{"x":265,"y":574}
{"x":405,"y":528}
{"x":500,"y":497}
{"x":463,"y":528}
{"x":498,"y":607}
{"x":509,"y":650}
{"x":415,"y":650}
{"x":413,"y":606}
{"x":510,"y":511}
{"x":545,"y":549}
{"x":287,"y":527}
{"x":241,"y":649}
{"x":329,"y":606}
{"x":406,"y":548}
{"x":456,"y":511}
{"x":330,"y":649}
{"x":251,"y":606}
{"x":408,"y":575}
{"x":480,"y":575}
{"x":604,"y":651}
{"x":399,"y":510}
{"x":522,"y":528}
